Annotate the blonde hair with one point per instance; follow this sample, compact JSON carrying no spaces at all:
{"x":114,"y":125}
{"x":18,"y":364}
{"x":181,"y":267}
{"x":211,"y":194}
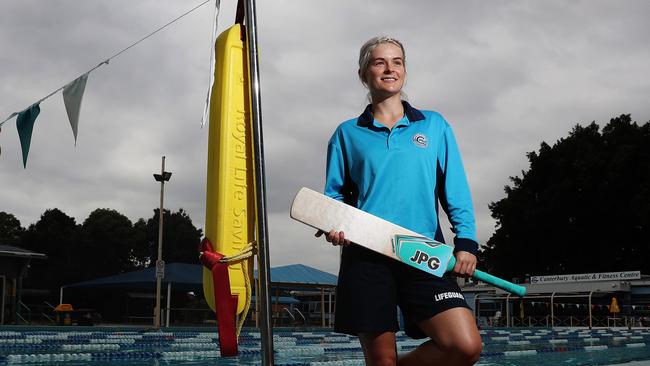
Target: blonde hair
{"x":366,"y":51}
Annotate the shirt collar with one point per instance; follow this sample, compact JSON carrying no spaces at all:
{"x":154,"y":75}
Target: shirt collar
{"x":412,"y":114}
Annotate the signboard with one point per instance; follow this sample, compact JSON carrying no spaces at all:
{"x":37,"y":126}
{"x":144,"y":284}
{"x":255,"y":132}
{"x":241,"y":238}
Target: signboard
{"x":160,"y":268}
{"x":587,"y":277}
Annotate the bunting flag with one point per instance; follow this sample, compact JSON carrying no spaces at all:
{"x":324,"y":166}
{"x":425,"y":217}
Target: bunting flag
{"x":74,"y":90}
{"x":72,"y":95}
{"x":25,"y":125}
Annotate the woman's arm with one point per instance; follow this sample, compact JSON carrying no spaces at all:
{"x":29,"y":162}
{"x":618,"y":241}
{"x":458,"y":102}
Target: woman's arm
{"x":334,"y":181}
{"x":335,"y":170}
{"x":456,"y":200}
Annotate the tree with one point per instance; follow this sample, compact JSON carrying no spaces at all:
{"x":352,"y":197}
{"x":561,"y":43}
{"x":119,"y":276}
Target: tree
{"x":583,"y":206}
{"x":142,"y":245}
{"x":180,"y":238}
{"x":10,"y":229}
{"x":54,"y":234}
{"x":106,"y":245}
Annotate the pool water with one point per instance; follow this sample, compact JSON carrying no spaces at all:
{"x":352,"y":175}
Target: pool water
{"x":507,"y":347}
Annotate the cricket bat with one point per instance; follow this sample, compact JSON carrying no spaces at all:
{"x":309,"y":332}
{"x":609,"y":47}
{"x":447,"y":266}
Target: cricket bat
{"x":384,"y":237}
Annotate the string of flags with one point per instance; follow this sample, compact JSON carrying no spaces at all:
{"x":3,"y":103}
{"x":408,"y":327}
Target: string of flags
{"x":72,"y":96}
{"x":25,"y":119}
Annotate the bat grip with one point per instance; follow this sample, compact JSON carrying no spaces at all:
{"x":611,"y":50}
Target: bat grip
{"x":492,"y":280}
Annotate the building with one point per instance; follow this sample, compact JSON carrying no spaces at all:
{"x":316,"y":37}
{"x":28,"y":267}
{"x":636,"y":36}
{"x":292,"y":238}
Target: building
{"x":14,"y":262}
{"x":300,"y":296}
{"x":589,"y":299}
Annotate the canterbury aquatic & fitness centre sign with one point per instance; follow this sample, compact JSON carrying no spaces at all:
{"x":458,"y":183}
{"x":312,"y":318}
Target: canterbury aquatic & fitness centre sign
{"x":585,"y":277}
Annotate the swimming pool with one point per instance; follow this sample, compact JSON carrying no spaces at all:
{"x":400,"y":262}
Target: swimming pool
{"x":110,"y":346}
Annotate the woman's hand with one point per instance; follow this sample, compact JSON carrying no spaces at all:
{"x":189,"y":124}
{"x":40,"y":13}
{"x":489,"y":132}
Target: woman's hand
{"x":334,"y":237}
{"x":465,"y":264}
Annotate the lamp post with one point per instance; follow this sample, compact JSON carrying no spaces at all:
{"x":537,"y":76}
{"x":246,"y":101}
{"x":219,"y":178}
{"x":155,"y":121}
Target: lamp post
{"x":160,"y":264}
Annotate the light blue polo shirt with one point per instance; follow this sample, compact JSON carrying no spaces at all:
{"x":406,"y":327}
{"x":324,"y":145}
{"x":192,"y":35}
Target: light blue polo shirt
{"x":401,"y":174}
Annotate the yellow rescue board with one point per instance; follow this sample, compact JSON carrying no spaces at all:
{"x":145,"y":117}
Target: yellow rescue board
{"x":230,"y":198}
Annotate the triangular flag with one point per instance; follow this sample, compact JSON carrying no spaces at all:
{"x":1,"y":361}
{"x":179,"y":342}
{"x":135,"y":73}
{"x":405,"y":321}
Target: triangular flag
{"x":72,"y":95}
{"x":25,"y":125}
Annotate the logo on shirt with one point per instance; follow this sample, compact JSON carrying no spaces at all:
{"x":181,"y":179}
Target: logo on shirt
{"x":420,"y":140}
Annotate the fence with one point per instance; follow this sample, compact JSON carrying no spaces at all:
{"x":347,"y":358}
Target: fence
{"x":570,"y":321}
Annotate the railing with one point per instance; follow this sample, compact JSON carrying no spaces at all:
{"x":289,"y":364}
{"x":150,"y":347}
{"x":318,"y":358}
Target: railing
{"x":571,"y":321}
{"x":135,"y":319}
{"x":302,"y":316}
{"x":40,"y":313}
{"x":290,"y":315}
{"x":529,"y":321}
{"x":205,"y":316}
{"x":22,"y":305}
{"x":49,"y":318}
{"x":50,"y":308}
{"x":639,"y":321}
{"x":280,"y":318}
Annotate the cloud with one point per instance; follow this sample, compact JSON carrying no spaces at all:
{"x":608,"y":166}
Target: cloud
{"x":506,"y":75}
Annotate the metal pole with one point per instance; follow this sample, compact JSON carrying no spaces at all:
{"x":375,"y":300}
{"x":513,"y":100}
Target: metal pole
{"x":590,"y":319}
{"x":2,"y":305}
{"x":552,"y":311}
{"x":508,"y":310}
{"x":260,"y":180}
{"x":322,"y":306}
{"x":169,"y":301}
{"x":19,"y":295}
{"x":61,"y":295}
{"x":160,"y":239}
{"x":329,"y":308}
{"x":257,"y":304}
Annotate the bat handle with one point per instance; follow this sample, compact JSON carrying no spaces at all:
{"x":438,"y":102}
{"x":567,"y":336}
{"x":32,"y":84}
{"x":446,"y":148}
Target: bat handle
{"x":492,"y":280}
{"x":500,"y":283}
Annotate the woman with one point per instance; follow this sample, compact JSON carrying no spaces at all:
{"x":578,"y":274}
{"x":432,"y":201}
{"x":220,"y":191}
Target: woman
{"x":398,"y":162}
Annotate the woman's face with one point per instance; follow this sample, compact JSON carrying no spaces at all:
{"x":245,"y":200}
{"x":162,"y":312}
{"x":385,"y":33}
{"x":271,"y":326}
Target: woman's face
{"x":386,"y":71}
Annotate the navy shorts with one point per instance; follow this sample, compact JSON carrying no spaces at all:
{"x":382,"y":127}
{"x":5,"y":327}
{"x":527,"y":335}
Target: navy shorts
{"x":371,"y":286}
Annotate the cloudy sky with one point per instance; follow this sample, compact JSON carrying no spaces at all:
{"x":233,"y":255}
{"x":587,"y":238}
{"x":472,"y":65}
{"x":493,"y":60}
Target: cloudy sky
{"x":506,"y":75}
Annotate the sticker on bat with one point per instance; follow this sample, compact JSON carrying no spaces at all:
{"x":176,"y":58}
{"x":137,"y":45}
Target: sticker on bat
{"x":423,"y":253}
